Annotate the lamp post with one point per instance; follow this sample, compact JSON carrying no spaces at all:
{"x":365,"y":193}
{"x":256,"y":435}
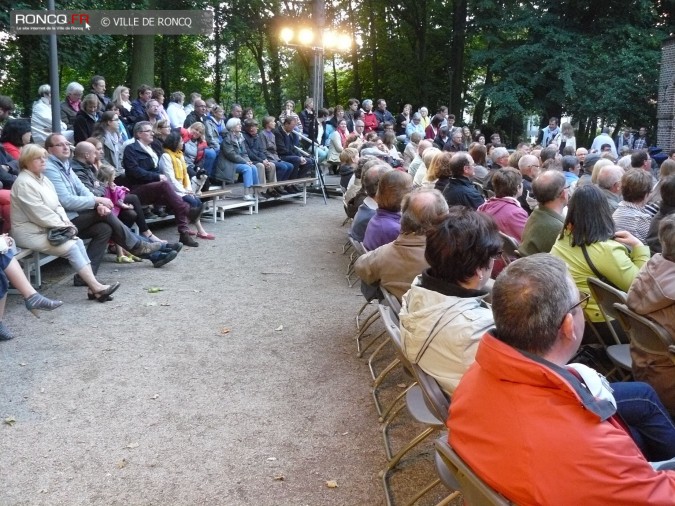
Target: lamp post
{"x":318,"y":40}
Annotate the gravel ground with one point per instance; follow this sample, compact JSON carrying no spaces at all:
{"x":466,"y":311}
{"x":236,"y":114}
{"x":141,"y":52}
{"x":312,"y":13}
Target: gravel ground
{"x":236,"y":384}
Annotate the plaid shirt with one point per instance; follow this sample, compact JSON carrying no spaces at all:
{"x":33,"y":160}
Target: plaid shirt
{"x":640,"y":143}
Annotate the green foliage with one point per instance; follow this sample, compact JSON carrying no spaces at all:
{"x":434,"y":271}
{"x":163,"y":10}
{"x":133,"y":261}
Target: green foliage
{"x":548,"y":57}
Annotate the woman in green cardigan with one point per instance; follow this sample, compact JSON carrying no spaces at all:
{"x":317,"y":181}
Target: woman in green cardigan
{"x":616,"y":255}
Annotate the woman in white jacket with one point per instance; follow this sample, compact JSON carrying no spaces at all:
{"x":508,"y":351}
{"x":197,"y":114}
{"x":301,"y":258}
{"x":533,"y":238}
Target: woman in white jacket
{"x":444,"y":314}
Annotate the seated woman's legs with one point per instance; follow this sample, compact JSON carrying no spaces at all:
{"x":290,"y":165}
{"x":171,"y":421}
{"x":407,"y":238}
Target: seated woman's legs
{"x":195,"y":203}
{"x":249,"y":174}
{"x":77,"y":256}
{"x":33,"y":300}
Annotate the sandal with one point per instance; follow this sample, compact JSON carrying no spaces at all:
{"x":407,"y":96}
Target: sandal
{"x":210,"y":237}
{"x":104,"y":295}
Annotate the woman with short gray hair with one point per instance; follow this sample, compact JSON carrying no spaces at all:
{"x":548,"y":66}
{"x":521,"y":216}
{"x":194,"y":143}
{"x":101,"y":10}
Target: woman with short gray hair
{"x":233,"y":159}
{"x":71,"y":104}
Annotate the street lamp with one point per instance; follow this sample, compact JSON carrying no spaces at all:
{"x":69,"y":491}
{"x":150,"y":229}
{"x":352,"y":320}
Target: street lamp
{"x":327,"y":40}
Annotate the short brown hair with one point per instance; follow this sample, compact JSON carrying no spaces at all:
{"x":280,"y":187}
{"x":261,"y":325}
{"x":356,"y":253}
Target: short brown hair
{"x":348,"y":155}
{"x":506,"y":182}
{"x":391,"y":189}
{"x":635,"y":185}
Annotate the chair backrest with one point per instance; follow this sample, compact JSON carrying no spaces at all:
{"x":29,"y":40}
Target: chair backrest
{"x":358,"y":246}
{"x":392,"y":302}
{"x":509,"y":248}
{"x":606,"y":296}
{"x":434,"y":397}
{"x":644,"y":333}
{"x":474,"y":490}
{"x":394,"y":333}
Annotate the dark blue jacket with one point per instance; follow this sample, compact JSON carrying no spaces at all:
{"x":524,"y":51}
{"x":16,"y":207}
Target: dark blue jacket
{"x":139,"y":167}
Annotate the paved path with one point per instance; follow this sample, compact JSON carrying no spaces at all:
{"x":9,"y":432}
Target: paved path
{"x":237,"y":384}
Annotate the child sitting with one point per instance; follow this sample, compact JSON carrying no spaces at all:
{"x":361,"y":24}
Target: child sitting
{"x":349,"y":159}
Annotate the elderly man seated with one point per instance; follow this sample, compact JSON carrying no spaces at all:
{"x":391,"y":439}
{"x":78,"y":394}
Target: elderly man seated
{"x":460,"y":191}
{"x":395,"y":265}
{"x":141,"y":167}
{"x":93,"y":215}
{"x":652,"y":294}
{"x":542,"y":432}
{"x":545,"y":223}
{"x":609,"y":182}
{"x":385,"y":226}
{"x":444,"y":314}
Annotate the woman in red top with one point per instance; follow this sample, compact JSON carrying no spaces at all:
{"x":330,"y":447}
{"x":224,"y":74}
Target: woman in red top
{"x":15,"y":135}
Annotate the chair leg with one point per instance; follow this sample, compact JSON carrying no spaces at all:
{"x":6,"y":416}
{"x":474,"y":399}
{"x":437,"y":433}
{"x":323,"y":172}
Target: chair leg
{"x":372,"y":318}
{"x":346,"y":246}
{"x":363,"y":308}
{"x":372,"y":356}
{"x":378,"y":381}
{"x":385,"y":413}
{"x":372,"y":342}
{"x":449,"y":499}
{"x":423,"y":492}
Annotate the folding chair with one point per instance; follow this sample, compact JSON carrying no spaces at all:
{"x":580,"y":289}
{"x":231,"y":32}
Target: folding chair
{"x":358,"y":251}
{"x":418,"y":405}
{"x":395,"y":306}
{"x":646,"y":334}
{"x":474,"y":490}
{"x":509,"y":248}
{"x":606,"y":296}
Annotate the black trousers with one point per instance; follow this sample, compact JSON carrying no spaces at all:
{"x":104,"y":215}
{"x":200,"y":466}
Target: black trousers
{"x":100,"y":229}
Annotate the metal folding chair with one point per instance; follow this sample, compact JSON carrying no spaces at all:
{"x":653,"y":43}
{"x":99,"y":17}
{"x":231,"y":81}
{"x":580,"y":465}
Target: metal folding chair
{"x":474,"y":490}
{"x":509,"y":248}
{"x":646,"y":334}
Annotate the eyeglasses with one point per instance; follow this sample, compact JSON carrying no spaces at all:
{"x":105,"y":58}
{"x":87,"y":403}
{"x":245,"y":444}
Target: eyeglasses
{"x":62,"y":145}
{"x":145,"y":131}
{"x":583,"y":302}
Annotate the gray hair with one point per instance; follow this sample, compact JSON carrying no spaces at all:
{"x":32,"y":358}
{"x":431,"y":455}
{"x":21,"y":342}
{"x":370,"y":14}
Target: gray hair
{"x":74,"y":87}
{"x":372,"y":175}
{"x":367,"y":102}
{"x":44,"y":90}
{"x":527,"y":313}
{"x":417,"y":115}
{"x":667,"y":237}
{"x":421,"y":210}
{"x":624,"y":162}
{"x":231,"y":123}
{"x":140,"y":125}
{"x":498,"y":153}
{"x":609,"y":175}
{"x":178,"y":97}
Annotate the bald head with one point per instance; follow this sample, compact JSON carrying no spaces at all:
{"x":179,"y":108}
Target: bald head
{"x":423,"y":146}
{"x":548,"y":186}
{"x":528,"y":165}
{"x":422,"y":210}
{"x":609,"y":178}
{"x":85,"y":152}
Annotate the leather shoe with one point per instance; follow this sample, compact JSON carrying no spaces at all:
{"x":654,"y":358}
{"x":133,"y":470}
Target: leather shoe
{"x":172,"y":246}
{"x":104,"y":295}
{"x":187,"y":240}
{"x":280,"y":190}
{"x":161,"y":258}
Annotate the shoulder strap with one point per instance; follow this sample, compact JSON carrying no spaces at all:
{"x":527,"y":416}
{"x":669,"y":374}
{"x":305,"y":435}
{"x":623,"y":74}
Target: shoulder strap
{"x":595,"y":270}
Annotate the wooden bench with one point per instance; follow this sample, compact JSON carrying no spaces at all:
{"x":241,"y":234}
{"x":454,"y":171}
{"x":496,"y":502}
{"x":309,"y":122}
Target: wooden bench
{"x":31,"y":262}
{"x":260,"y":188}
{"x":220,"y":200}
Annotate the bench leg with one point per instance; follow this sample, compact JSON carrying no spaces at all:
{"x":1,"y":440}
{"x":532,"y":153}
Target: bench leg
{"x":214,"y":209}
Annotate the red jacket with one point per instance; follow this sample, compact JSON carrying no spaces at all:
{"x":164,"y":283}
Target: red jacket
{"x":370,"y":122}
{"x":523,"y":429}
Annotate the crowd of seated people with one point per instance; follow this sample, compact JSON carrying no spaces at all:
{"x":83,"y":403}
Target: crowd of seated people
{"x":578,"y":214}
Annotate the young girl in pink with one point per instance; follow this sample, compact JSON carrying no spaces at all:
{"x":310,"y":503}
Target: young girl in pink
{"x":106,"y":174}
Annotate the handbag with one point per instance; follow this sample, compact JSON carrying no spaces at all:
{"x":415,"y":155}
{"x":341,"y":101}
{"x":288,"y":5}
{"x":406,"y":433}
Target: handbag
{"x":59,"y":235}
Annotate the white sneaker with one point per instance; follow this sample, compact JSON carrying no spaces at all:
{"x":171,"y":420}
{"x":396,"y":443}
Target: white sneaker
{"x":249,"y":197}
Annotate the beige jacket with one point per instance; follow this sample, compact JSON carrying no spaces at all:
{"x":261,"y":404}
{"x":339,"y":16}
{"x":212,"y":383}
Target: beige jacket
{"x":35,"y":209}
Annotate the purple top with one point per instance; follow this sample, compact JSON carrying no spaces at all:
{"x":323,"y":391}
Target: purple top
{"x":383,"y":228}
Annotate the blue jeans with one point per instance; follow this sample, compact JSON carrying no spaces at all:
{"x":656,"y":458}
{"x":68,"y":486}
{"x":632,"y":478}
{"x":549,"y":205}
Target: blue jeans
{"x":192,"y":200}
{"x":283,"y":169}
{"x":209,"y":160}
{"x":249,"y":174}
{"x":648,"y":421}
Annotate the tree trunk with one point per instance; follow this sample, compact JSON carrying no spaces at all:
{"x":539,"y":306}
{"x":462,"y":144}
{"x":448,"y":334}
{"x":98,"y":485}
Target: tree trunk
{"x":275,"y":76}
{"x":336,"y":94}
{"x":356,"y":79}
{"x":142,"y":62}
{"x":457,"y":56}
{"x":217,"y":47}
{"x":479,"y":111}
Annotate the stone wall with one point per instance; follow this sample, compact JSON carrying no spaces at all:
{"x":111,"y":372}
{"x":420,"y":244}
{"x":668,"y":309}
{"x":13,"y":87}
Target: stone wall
{"x":665,"y":112}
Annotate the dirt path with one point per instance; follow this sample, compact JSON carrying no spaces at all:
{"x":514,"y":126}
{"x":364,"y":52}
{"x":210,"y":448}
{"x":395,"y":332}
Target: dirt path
{"x":237,"y":384}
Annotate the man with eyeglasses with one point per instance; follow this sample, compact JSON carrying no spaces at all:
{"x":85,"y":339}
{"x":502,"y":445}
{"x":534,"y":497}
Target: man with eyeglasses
{"x":540,"y":430}
{"x":144,"y":177}
{"x":529,"y":167}
{"x":93,"y":215}
{"x":460,"y":191}
{"x":198,"y":114}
